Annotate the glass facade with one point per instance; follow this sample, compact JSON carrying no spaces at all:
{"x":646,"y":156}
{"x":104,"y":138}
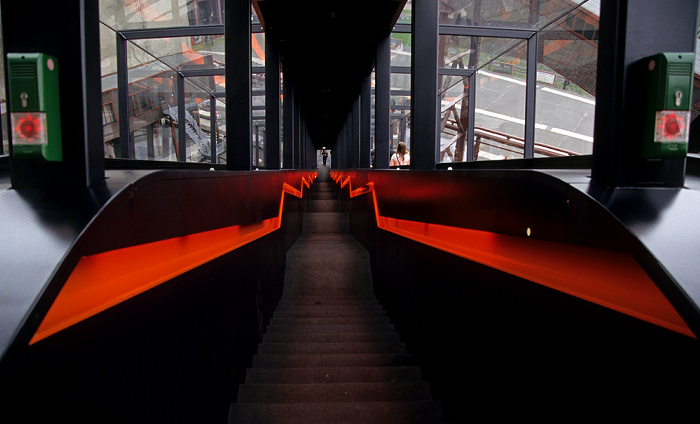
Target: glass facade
{"x":489,"y":43}
{"x":157,"y":68}
{"x":484,"y":80}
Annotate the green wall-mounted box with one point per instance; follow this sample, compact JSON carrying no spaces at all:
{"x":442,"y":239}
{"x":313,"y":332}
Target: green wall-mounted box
{"x":35,"y":116}
{"x":668,"y":92}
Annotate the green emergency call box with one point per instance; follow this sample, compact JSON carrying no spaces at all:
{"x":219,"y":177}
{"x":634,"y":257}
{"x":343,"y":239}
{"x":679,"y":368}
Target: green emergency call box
{"x":668,"y":92}
{"x":35,"y":113}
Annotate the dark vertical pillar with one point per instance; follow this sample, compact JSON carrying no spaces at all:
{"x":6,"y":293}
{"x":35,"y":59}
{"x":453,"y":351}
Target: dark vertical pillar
{"x":123,"y":97}
{"x":77,"y":50}
{"x":629,"y":33}
{"x":297,"y":136}
{"x":272,"y":104}
{"x":530,"y":90}
{"x":181,"y":120}
{"x":340,"y":153}
{"x":471,"y":117}
{"x":382,"y":99}
{"x":213,"y":129}
{"x":288,"y":124}
{"x":238,"y":85}
{"x":310,"y":153}
{"x":354,"y":120}
{"x":365,"y":122}
{"x":424,"y":79}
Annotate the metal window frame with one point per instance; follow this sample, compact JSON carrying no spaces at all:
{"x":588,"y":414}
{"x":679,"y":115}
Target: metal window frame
{"x":530,"y":78}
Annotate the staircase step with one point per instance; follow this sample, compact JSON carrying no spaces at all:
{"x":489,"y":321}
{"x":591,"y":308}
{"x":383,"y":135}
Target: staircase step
{"x":326,"y":222}
{"x":310,"y":375}
{"x":331,"y":337}
{"x":336,"y":392}
{"x":329,"y":312}
{"x":322,"y":299}
{"x":302,"y":322}
{"x":333,"y":360}
{"x":339,"y":328}
{"x":267,"y":348}
{"x":420,"y":412}
{"x":324,"y":205}
{"x":323,"y":195}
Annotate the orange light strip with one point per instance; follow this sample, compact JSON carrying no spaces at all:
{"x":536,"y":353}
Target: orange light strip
{"x":104,"y":280}
{"x":610,"y":279}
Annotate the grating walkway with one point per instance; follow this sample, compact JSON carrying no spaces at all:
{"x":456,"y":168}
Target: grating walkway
{"x":330,"y":354}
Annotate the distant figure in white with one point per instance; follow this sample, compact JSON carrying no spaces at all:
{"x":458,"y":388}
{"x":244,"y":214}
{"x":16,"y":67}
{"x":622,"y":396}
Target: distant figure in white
{"x":401,"y":157}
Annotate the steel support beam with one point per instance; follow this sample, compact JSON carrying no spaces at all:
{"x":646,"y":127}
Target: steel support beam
{"x":355,"y":137}
{"x":272,"y":105}
{"x":181,"y":120}
{"x":382,"y":98}
{"x":123,"y":96}
{"x":288,"y":123}
{"x":238,"y":85}
{"x":365,"y":122}
{"x":530,"y":92}
{"x":471,"y":117}
{"x":424,"y":148}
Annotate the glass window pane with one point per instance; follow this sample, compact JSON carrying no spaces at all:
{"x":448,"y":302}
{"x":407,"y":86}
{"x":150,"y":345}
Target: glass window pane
{"x":400,"y":109}
{"x":529,"y":14}
{"x":500,"y":109}
{"x":4,"y":145}
{"x":400,"y":49}
{"x":406,"y":13}
{"x":150,"y":91}
{"x":454,"y":114}
{"x":145,"y":14}
{"x":178,"y":51}
{"x":566,"y":80}
{"x":257,"y":51}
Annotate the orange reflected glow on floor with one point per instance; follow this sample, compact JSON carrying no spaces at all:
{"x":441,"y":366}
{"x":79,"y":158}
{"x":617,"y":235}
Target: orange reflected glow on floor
{"x":611,"y":279}
{"x":106,"y":279}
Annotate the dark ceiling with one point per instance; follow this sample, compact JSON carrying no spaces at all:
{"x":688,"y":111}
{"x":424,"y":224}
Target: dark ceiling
{"x":326,"y":49}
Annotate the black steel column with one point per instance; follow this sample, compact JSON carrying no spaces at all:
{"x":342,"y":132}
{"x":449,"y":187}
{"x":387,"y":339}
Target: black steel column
{"x":272,"y":104}
{"x":365,"y":122}
{"x":213,"y":129}
{"x":181,"y":120}
{"x":354,"y":120}
{"x":122,"y":96}
{"x":39,"y":26}
{"x":530,"y":91}
{"x":471,"y":117}
{"x":382,"y":99}
{"x":424,"y":148}
{"x":238,"y":85}
{"x":629,"y":32}
{"x":288,"y":124}
{"x":296,"y":143}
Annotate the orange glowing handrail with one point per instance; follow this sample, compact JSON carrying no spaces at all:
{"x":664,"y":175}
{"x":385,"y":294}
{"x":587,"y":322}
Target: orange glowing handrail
{"x":101,"y":281}
{"x":611,"y":279}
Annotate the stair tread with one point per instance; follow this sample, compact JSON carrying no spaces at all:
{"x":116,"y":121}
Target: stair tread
{"x":416,"y":412}
{"x":333,"y":392}
{"x":329,"y":312}
{"x":330,"y":337}
{"x":335,"y":328}
{"x":333,"y":374}
{"x":326,"y":348}
{"x":299,"y":321}
{"x":332,"y":360}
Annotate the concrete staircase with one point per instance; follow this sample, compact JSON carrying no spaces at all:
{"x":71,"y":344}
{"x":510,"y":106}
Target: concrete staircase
{"x":330,"y":354}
